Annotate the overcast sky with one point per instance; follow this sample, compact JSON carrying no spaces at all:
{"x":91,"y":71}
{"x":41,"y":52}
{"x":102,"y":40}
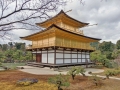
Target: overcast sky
{"x":104,"y":13}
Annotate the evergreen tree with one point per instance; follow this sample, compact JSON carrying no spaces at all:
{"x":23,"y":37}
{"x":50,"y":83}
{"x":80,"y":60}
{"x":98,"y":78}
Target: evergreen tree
{"x":118,"y":44}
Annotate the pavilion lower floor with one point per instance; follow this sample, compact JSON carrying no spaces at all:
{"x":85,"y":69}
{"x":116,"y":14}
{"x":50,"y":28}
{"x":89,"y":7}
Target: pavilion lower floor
{"x":61,"y":56}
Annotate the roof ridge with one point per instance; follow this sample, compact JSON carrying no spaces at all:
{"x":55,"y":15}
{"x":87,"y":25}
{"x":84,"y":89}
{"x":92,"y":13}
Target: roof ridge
{"x":64,"y":14}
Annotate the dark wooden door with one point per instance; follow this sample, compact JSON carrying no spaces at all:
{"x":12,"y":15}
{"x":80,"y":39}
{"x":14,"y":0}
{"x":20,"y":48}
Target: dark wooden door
{"x":38,"y":57}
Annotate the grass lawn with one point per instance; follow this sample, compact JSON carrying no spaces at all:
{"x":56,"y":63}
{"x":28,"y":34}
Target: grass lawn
{"x":9,"y":78}
{"x":13,"y":65}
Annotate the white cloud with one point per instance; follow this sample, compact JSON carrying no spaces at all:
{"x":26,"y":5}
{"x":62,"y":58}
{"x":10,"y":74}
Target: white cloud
{"x":105,"y":13}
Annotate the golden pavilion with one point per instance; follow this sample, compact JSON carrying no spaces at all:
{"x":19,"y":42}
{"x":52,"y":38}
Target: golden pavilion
{"x":61,"y":43}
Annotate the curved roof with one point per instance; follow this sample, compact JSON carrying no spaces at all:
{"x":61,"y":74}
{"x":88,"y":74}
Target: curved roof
{"x":63,"y":15}
{"x":53,"y":25}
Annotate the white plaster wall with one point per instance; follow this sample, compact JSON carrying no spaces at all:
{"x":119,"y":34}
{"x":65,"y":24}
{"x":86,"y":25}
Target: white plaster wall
{"x":74,"y":52}
{"x":79,"y":52}
{"x":67,"y":51}
{"x":79,"y":60}
{"x":59,"y":61}
{"x":79,"y":55}
{"x":83,"y":52}
{"x":74,"y":55}
{"x":34,"y":52}
{"x":44,"y":51}
{"x":67,"y":55}
{"x":44,"y":58}
{"x":51,"y":58}
{"x":38,"y":51}
{"x":87,"y":56}
{"x":59,"y":55}
{"x":87,"y":53}
{"x":74,"y":60}
{"x":51,"y":51}
{"x":83,"y":55}
{"x":83,"y":60}
{"x":88,"y":60}
{"x":59,"y":51}
{"x":67,"y":60}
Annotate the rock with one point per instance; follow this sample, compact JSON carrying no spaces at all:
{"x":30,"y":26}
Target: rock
{"x":6,"y":68}
{"x":22,"y":68}
{"x":104,"y":78}
{"x":26,"y":81}
{"x":89,"y":72}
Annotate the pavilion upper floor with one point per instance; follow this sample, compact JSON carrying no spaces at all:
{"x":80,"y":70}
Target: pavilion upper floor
{"x":56,"y":36}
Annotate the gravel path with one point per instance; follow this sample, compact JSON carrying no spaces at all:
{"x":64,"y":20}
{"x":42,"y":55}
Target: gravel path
{"x":46,"y":70}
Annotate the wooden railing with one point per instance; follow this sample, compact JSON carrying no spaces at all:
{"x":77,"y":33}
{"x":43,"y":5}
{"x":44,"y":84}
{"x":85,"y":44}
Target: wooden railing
{"x":71,"y":28}
{"x":83,"y":46}
{"x":61,"y":44}
{"x":41,"y":45}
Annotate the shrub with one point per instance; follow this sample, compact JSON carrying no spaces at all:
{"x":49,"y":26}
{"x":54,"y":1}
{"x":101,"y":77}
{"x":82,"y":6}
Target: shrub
{"x":107,"y":73}
{"x":26,"y":81}
{"x":96,"y":80}
{"x":73,"y":72}
{"x":111,"y":73}
{"x":81,"y":70}
{"x":76,"y":70}
{"x":0,"y":64}
{"x":59,"y":80}
{"x":111,"y":64}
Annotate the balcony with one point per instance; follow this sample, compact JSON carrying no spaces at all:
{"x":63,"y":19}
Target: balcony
{"x":81,"y":45}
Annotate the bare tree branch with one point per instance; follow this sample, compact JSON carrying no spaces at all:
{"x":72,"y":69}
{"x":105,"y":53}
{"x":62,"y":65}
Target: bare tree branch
{"x":25,"y":12}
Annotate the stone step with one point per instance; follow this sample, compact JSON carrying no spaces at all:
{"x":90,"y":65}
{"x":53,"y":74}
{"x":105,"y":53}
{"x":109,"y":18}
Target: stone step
{"x":35,"y":65}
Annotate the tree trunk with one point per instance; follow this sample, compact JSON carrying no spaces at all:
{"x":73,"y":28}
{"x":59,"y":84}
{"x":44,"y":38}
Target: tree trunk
{"x":107,"y":76}
{"x":73,"y":76}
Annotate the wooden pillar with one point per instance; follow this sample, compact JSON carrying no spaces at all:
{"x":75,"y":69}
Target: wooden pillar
{"x":81,"y":55}
{"x":86,"y":60}
{"x":55,"y":55}
{"x":63,"y":55}
{"x":36,"y":55}
{"x":47,"y":55}
{"x":89,"y":56}
{"x":71,"y":55}
{"x":77,"y":56}
{"x":41,"y":56}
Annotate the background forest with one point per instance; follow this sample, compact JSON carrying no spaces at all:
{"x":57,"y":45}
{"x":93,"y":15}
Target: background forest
{"x":106,"y":53}
{"x":14,"y":52}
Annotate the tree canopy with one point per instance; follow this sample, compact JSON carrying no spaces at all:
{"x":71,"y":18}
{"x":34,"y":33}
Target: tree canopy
{"x":15,"y":53}
{"x":118,"y":44}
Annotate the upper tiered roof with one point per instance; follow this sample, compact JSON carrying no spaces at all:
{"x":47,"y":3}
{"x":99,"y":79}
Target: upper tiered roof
{"x":64,"y":18}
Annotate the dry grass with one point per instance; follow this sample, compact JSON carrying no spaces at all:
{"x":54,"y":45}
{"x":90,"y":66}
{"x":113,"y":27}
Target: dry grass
{"x":37,"y":86}
{"x":8,"y":81}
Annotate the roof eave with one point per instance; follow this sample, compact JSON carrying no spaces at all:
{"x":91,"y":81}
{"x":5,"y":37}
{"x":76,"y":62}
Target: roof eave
{"x":53,"y":25}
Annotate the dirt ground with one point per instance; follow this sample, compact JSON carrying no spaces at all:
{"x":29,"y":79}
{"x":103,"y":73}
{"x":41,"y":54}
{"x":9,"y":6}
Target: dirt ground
{"x":80,"y":82}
